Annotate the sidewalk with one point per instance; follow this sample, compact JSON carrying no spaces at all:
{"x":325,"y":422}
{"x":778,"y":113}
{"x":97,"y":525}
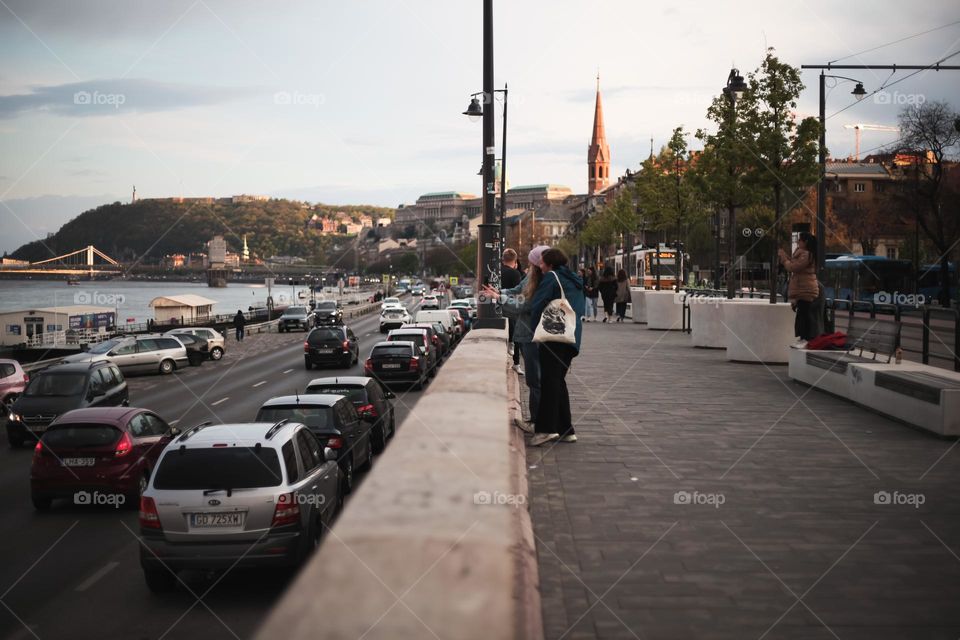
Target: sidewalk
{"x":707,"y":499}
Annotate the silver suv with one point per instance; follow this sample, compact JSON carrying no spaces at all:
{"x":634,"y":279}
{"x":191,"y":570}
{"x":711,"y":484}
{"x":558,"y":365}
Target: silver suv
{"x":148,"y":353}
{"x":230,"y":495}
{"x":214,"y":338}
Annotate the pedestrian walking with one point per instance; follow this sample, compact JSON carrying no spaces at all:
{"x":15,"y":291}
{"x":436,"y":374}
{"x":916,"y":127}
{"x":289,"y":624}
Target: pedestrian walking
{"x":516,"y":303}
{"x":607,"y":286}
{"x":592,"y":293}
{"x":623,"y":295}
{"x":553,"y":419}
{"x":509,"y":278}
{"x":803,"y":288}
{"x":239,"y":322}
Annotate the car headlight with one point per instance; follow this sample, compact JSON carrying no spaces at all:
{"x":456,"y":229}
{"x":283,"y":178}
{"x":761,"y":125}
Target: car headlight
{"x":15,"y":417}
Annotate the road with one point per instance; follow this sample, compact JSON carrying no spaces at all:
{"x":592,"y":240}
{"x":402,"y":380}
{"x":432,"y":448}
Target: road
{"x":74,"y":572}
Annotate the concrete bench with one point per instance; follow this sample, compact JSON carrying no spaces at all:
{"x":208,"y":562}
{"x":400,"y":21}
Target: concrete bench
{"x":922,"y":385}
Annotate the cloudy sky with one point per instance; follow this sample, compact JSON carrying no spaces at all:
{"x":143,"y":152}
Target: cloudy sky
{"x":359,"y":102}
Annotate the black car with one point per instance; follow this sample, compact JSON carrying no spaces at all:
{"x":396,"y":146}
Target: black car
{"x":294,"y":318}
{"x":334,"y":421}
{"x":59,"y":389}
{"x":420,"y":337}
{"x":198,"y":349}
{"x":331,"y":346}
{"x":437,"y":334}
{"x":398,"y":362}
{"x":371,"y":400}
{"x":327,"y":312}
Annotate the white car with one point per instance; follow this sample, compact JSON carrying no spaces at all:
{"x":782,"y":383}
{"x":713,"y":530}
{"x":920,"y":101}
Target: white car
{"x":430,"y":302}
{"x":394,"y":318}
{"x":389,"y":302}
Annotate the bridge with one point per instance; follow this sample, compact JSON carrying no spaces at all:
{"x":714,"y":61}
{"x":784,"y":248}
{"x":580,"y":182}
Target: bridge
{"x":89,"y":262}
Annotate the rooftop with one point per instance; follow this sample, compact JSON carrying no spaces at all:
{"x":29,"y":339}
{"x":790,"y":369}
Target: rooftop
{"x":182,"y":300}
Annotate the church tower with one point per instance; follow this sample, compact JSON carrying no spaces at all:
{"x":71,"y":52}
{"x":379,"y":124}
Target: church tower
{"x":598,"y":155}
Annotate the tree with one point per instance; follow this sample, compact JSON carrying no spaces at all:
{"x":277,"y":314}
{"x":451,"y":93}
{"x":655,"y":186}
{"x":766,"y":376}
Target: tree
{"x":784,"y":152}
{"x":932,"y":127}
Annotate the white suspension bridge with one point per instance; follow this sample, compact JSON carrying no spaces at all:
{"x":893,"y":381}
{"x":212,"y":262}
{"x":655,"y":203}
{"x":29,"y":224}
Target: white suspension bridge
{"x":89,"y":262}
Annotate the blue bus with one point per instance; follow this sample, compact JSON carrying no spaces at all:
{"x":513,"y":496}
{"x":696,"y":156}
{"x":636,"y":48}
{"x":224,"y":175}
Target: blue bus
{"x":860,"y":278}
{"x":929,"y":284}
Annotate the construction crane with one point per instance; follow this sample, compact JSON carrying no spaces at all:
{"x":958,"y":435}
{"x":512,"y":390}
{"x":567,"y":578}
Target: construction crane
{"x":867,"y":127}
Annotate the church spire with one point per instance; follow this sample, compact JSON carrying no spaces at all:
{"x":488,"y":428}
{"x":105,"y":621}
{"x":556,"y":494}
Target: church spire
{"x":598,"y":154}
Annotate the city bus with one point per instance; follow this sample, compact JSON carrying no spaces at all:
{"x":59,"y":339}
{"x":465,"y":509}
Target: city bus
{"x":642,"y":263}
{"x":860,"y":278}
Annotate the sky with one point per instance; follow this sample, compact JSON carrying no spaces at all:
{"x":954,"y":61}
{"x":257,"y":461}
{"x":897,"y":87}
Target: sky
{"x":360,"y":102}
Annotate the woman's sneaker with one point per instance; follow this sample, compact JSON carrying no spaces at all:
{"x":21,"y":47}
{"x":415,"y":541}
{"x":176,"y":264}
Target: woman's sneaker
{"x":570,"y":438}
{"x":543,"y":438}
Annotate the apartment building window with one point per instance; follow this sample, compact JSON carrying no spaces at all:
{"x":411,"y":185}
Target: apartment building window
{"x":878,"y":187}
{"x":838,"y":186}
{"x":859,"y":187}
{"x":892,"y":253}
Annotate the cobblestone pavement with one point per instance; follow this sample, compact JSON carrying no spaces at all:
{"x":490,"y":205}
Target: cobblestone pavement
{"x":707,"y":499}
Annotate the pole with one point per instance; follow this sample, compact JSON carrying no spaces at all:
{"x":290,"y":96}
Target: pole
{"x":716,"y":253}
{"x":503,"y":175}
{"x":488,"y":258}
{"x":821,"y":225}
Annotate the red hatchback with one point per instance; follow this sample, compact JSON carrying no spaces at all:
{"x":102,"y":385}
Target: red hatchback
{"x":98,"y":456}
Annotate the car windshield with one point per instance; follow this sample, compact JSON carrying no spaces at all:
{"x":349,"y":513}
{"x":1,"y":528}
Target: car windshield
{"x":56,"y":384}
{"x":104,"y":347}
{"x":355,"y":393}
{"x":388,"y":352}
{"x":313,"y":417}
{"x":326,"y":306}
{"x":324,"y":335}
{"x":416,"y":338}
{"x":77,"y":436}
{"x":295,"y":311}
{"x":220,"y":468}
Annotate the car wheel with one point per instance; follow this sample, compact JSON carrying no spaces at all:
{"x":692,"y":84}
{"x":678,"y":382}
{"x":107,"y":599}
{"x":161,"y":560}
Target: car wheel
{"x":418,"y":385}
{"x":133,"y":500}
{"x":393,"y":427}
{"x":307,"y":364}
{"x":216,"y":353}
{"x":160,"y":580}
{"x":368,"y":461}
{"x":167,"y":367}
{"x":346,"y":480}
{"x":379,"y":439}
{"x":40,"y":503}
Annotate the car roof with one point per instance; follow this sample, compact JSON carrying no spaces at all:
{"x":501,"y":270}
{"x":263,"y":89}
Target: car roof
{"x":409,"y":330}
{"x":393,"y":343}
{"x":341,"y":380}
{"x":305,"y":400}
{"x":99,"y":415}
{"x":77,"y":367}
{"x":245,"y":432}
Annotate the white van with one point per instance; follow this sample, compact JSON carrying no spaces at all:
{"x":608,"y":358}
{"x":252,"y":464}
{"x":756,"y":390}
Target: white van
{"x":424,"y":315}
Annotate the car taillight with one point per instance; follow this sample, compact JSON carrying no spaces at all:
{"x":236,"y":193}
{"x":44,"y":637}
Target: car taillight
{"x":306,"y":346}
{"x":124,"y":446}
{"x":368,"y":365}
{"x":37,"y":451}
{"x":436,"y":341}
{"x":287,"y":511}
{"x":335,"y":442}
{"x":26,"y":377}
{"x":367,"y":411}
{"x":149,"y":516}
{"x":346,"y":345}
{"x":414,"y":363}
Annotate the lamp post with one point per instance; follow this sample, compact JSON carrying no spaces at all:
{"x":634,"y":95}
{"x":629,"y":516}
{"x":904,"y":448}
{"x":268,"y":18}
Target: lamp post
{"x":475,"y":112}
{"x":733,"y":91}
{"x":488,"y":246}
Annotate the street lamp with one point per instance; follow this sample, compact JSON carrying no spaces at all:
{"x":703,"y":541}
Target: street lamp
{"x":734,"y":90}
{"x":474,"y":112}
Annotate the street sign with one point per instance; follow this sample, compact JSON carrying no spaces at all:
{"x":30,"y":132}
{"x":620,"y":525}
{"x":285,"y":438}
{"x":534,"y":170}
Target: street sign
{"x":454,"y":280}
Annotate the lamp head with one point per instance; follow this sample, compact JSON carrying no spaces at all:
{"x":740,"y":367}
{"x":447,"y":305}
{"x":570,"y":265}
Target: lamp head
{"x":858,"y":91}
{"x":474,"y":111}
{"x":736,"y":86}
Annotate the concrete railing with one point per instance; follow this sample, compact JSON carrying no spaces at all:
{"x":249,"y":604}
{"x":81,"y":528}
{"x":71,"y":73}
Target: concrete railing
{"x":437,"y":541}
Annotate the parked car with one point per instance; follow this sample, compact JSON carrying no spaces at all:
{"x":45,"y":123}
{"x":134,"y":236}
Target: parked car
{"x":62,"y":388}
{"x":328,"y":312}
{"x":442,"y":315}
{"x":369,"y":397}
{"x":387,"y":302}
{"x":394,"y":318}
{"x":13,"y":380}
{"x":102,"y":451}
{"x":331,"y":346}
{"x":197,"y":349}
{"x":466,"y":316}
{"x":294,"y":318}
{"x":437,"y":335}
{"x":430,"y":302}
{"x":146,"y":353}
{"x":236,"y":495}
{"x":421,"y":338}
{"x":214,"y":338}
{"x":398,"y":362}
{"x":334,"y":420}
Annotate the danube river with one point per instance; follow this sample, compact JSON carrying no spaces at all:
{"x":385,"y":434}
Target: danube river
{"x":131,"y":299}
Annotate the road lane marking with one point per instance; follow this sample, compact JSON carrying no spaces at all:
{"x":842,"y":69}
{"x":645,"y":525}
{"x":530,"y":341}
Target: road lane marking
{"x":288,"y":370}
{"x":260,"y":383}
{"x":104,"y":570}
{"x":213,"y":404}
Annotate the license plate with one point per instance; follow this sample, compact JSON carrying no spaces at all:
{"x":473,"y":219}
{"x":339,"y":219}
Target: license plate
{"x":325,"y":350}
{"x":216,"y":519}
{"x":79,"y":462}
{"x":390,"y":365}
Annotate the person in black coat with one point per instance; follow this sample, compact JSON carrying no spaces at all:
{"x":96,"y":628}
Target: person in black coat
{"x":608,"y":292}
{"x":239,"y":322}
{"x":510,"y":277}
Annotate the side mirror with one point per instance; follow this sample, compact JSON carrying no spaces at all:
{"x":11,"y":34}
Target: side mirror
{"x":330,"y":455}
{"x":111,"y":353}
{"x":173,"y":431}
